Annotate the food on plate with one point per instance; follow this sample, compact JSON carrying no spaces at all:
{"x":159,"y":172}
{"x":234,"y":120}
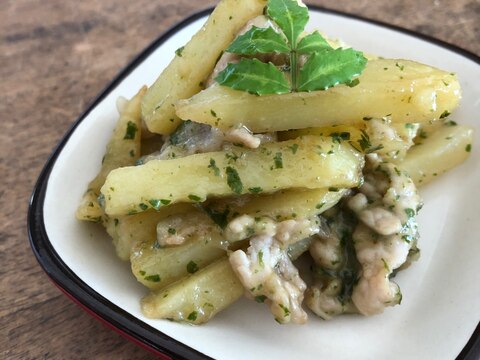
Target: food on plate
{"x":261,"y":145}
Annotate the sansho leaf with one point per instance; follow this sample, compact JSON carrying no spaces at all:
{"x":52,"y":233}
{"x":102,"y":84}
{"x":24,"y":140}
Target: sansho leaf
{"x":254,"y":76}
{"x":329,"y":68}
{"x":290,"y":17}
{"x":313,"y":42}
{"x":258,"y":41}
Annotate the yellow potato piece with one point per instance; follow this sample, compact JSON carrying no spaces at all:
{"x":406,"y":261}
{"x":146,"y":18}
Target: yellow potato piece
{"x":198,"y":297}
{"x":193,"y":63}
{"x":442,"y":150}
{"x":408,"y":91}
{"x":309,"y":162}
{"x":123,"y":149}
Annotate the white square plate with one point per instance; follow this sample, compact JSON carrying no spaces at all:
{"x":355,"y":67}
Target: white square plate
{"x":441,"y":304}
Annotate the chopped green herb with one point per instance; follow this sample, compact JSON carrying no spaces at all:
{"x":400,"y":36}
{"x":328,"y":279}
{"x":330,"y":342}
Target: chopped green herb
{"x":260,"y":258}
{"x":192,"y":316}
{"x":410,"y":212}
{"x":116,"y":222}
{"x":278,"y":161}
{"x":255,"y":190}
{"x":192,"y":267}
{"x":400,"y":66}
{"x":339,"y":136}
{"x":260,"y":298}
{"x":468,"y":148}
{"x":219,"y":218}
{"x":143,"y":206}
{"x":286,"y":310}
{"x":194,"y":197}
{"x":214,"y":167}
{"x":444,"y":114}
{"x":142,"y":273}
{"x":153,"y":278}
{"x":172,"y":231}
{"x":319,"y":206}
{"x":333,"y":189}
{"x":450,"y":123}
{"x":294,"y":148}
{"x":410,"y":126}
{"x":233,"y":180}
{"x":179,"y":51}
{"x":156,"y":203}
{"x":131,"y":131}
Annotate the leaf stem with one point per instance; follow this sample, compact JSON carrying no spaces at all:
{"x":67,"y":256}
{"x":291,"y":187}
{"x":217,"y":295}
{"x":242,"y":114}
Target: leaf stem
{"x":293,"y":69}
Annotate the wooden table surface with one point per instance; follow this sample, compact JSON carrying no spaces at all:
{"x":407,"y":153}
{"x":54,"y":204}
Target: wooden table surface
{"x":55,"y":56}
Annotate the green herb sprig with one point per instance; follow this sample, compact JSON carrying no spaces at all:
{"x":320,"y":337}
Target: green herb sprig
{"x":325,"y":67}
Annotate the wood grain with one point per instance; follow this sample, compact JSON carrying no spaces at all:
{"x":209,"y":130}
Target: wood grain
{"x":55,"y":56}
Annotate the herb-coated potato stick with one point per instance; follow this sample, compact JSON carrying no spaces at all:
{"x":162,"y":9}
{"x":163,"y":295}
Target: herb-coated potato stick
{"x":196,"y":298}
{"x":128,"y":230}
{"x":188,"y":71}
{"x":123,"y":149}
{"x":309,"y":162}
{"x":156,"y":267}
{"x":442,"y":150}
{"x":281,"y":205}
{"x":365,"y":138}
{"x":406,"y":90}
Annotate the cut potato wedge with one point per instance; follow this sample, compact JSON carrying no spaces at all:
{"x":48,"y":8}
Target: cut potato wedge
{"x":196,"y":298}
{"x":193,"y":63}
{"x":408,"y":91}
{"x":309,"y":162}
{"x":123,"y":149}
{"x":442,"y":150}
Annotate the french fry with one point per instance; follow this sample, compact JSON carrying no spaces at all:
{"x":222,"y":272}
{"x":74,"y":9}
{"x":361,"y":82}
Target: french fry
{"x":309,"y":162}
{"x":193,"y":63}
{"x":406,"y":90}
{"x":442,"y":150}
{"x":123,"y":149}
{"x":198,"y":297}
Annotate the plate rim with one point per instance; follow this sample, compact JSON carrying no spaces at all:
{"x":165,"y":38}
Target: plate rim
{"x":94,"y":303}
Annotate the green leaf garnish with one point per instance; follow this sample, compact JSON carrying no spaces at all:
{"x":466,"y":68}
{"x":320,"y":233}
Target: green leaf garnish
{"x":290,"y":17}
{"x":255,"y":77}
{"x":312,"y":43}
{"x":324,"y":67}
{"x":329,"y":68}
{"x":258,"y":41}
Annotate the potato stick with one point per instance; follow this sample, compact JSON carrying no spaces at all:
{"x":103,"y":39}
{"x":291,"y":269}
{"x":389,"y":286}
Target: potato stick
{"x":444,"y":149}
{"x":408,"y":91}
{"x":391,"y":141}
{"x":309,"y":162}
{"x":282,"y":205}
{"x":196,"y":298}
{"x":194,"y":62}
{"x":128,"y":230}
{"x":157,"y":267}
{"x":123,"y":149}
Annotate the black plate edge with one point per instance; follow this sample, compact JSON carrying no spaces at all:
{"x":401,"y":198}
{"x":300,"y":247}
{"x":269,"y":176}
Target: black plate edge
{"x":126,"y":324}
